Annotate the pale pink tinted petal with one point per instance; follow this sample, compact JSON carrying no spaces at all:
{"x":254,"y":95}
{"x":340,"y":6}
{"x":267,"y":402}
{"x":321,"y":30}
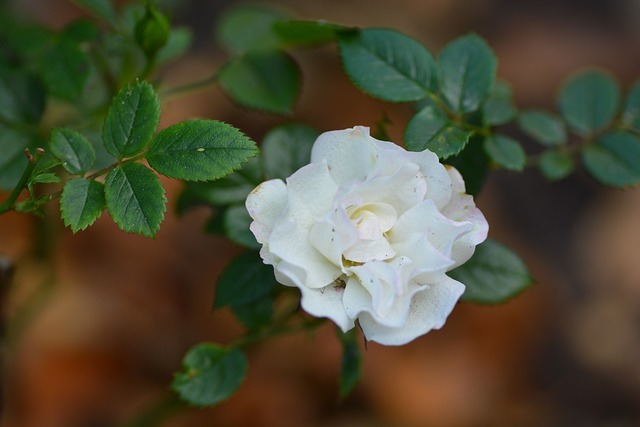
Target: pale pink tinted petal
{"x":349,"y":152}
{"x":429,"y":310}
{"x":264,"y":204}
{"x":326,"y":302}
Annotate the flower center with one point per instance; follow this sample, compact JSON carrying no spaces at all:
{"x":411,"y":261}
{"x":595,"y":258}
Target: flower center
{"x":372,"y":220}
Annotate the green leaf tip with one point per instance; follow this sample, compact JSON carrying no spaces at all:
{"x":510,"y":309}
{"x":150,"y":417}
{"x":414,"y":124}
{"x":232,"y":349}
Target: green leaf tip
{"x":387,"y":64}
{"x":210,"y":374}
{"x":199,"y":150}
{"x":132,"y":120}
{"x":135,"y":199}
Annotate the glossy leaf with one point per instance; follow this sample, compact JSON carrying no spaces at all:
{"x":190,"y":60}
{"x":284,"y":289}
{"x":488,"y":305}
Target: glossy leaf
{"x":74,"y":150}
{"x":249,"y":27}
{"x":544,"y":127}
{"x":498,"y":108}
{"x":467,"y":72}
{"x":232,"y":189}
{"x":351,"y":366}
{"x":493,"y":275}
{"x":199,"y":150}
{"x":306,"y":33}
{"x":256,"y":314}
{"x":432,"y":130}
{"x":132,"y":120}
{"x":287,"y":148}
{"x":387,"y":64}
{"x":82,"y":203}
{"x":22,"y":97}
{"x":614,"y":159}
{"x":135,"y":199}
{"x":506,"y":152}
{"x":245,"y":280}
{"x":589,"y":101}
{"x":236,"y":227}
{"x":267,"y":81}
{"x":556,"y":165}
{"x":66,"y":69}
{"x":210,"y":374}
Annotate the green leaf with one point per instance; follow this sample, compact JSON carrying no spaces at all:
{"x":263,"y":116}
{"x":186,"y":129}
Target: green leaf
{"x":267,"y":81}
{"x":589,"y":101}
{"x":249,"y":27}
{"x":544,"y":127}
{"x":135,"y":199}
{"x":210,"y":374}
{"x":41,"y":178}
{"x":101,"y":8}
{"x":506,"y":152}
{"x":467,"y":71}
{"x":12,"y":160}
{"x":178,"y":44}
{"x":199,"y":150}
{"x":631,"y":114}
{"x":493,"y":275}
{"x":236,"y":227}
{"x":614,"y":159}
{"x":387,"y":64}
{"x":287,"y":148}
{"x":432,"y":130}
{"x":351,"y":370}
{"x":22,"y":97}
{"x":33,"y":205}
{"x":230,"y":190}
{"x":473,"y":164}
{"x":74,"y":150}
{"x":82,"y":203}
{"x":556,"y":165}
{"x":306,"y":33}
{"x":132,"y":120}
{"x":245,"y":280}
{"x":80,"y":31}
{"x":255,"y":315}
{"x":66,"y":69}
{"x":498,"y":108}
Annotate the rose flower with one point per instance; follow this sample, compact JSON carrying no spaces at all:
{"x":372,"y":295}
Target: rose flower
{"x":367,"y":231}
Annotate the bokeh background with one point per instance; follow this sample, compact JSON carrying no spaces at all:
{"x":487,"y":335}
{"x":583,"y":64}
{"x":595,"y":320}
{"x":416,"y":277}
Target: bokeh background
{"x":96,"y":323}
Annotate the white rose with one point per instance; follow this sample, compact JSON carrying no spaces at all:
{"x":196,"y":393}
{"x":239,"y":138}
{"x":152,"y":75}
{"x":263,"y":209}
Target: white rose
{"x":367,"y":232}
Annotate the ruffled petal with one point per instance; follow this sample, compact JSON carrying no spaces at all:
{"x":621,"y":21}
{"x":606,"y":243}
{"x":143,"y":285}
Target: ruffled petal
{"x":311,"y":191}
{"x":370,"y":250}
{"x":290,"y":243}
{"x":427,"y":262}
{"x":349,"y":152}
{"x":264,"y":204}
{"x":462,"y":208}
{"x":333,"y":235}
{"x":327,"y":302}
{"x":430,"y":307}
{"x":424,"y":217}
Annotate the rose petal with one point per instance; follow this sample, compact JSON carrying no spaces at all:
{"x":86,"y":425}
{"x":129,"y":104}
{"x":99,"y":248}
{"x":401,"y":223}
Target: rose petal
{"x":425,"y":218}
{"x":290,"y":243}
{"x":327,"y":302}
{"x":332,"y":235}
{"x":429,"y":310}
{"x":439,"y":186}
{"x":370,"y":250}
{"x":461,"y":207}
{"x":264,"y":204}
{"x":349,"y":152}
{"x":427,"y":262}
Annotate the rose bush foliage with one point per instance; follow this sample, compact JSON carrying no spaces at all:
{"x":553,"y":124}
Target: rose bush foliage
{"x":367,"y":231}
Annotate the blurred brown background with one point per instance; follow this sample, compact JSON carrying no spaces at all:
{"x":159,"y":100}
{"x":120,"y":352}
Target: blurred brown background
{"x":98,"y":322}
